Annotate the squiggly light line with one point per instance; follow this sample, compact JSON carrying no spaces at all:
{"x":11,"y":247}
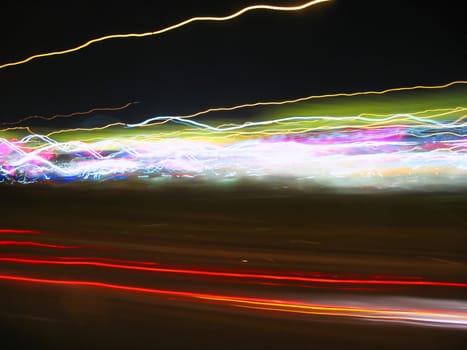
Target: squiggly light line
{"x":275,"y":121}
{"x":313,"y":97}
{"x":380,"y":148}
{"x":167,"y":29}
{"x":157,"y":120}
{"x":190,"y":132}
{"x":73,"y":114}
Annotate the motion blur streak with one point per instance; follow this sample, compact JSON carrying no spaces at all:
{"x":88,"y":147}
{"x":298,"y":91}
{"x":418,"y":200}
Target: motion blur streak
{"x":167,"y":29}
{"x":239,"y":275}
{"x":314,"y":97}
{"x":36,"y":244}
{"x":121,"y":261}
{"x":289,"y":119}
{"x":15,"y":231}
{"x":388,"y":315}
{"x":147,"y":122}
{"x":69,"y":115}
{"x":346,"y":145}
{"x":368,"y":312}
{"x":339,"y":158}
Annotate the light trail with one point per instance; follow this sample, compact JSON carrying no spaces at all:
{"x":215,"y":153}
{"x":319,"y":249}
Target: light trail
{"x":16,"y":128}
{"x":19,"y":232}
{"x":111,"y":260}
{"x":239,"y":275}
{"x":167,"y":29}
{"x":189,"y":131}
{"x":383,"y":150}
{"x":301,"y":155}
{"x":36,"y":244}
{"x":31,"y":244}
{"x":86,"y":129}
{"x":69,"y":115}
{"x":159,"y":119}
{"x":288,"y":119}
{"x":426,"y":316}
{"x":425,"y":122}
{"x":314,"y":97}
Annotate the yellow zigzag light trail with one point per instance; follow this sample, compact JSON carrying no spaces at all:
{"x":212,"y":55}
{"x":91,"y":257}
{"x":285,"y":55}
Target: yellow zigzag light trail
{"x":315,"y":97}
{"x":15,"y":128}
{"x":191,"y":130}
{"x":167,"y":29}
{"x":256,"y":104}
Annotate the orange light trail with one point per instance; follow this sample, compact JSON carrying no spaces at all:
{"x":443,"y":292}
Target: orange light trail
{"x":239,"y":275}
{"x":169,"y":28}
{"x":368,"y":312}
{"x":316,"y":97}
{"x":73,"y":114}
{"x":148,"y":122}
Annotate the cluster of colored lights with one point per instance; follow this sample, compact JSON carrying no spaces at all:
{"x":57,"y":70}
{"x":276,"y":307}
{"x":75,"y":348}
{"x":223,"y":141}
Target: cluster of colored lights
{"x":357,"y":150}
{"x":392,"y":149}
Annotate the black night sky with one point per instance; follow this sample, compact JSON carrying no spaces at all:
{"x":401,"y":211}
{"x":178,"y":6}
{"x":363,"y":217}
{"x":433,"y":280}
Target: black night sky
{"x":340,"y":46}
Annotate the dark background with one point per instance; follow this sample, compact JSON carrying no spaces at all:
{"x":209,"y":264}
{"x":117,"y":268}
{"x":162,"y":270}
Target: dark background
{"x":340,"y":46}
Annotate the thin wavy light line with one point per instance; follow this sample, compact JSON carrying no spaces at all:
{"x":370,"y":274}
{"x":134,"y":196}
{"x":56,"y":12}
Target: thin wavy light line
{"x":167,"y":29}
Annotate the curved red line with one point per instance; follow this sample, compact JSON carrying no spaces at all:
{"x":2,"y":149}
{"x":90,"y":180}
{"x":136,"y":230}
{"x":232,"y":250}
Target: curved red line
{"x":239,"y":275}
{"x":36,"y":244}
{"x":15,"y":231}
{"x":210,"y":297}
{"x":124,"y":261}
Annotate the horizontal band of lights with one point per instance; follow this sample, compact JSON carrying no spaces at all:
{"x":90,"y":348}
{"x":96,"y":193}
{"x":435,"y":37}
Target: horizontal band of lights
{"x":364,"y":147}
{"x":426,"y":316}
{"x":206,"y":273}
{"x":355,"y":295}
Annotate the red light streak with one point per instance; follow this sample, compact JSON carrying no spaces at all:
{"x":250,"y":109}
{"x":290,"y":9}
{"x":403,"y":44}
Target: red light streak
{"x":37,"y":244}
{"x":122,"y":261}
{"x":271,"y":304}
{"x":240,"y":275}
{"x":15,"y":231}
{"x":48,"y":245}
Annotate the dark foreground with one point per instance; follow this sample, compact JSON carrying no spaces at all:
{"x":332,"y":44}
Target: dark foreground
{"x":238,"y":266}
